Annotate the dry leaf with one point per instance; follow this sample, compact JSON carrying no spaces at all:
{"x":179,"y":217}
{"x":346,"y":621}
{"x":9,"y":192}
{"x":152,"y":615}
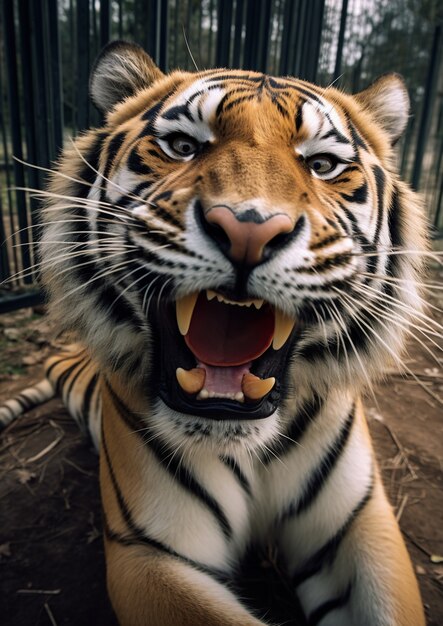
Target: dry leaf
{"x":32,"y":359}
{"x":24,"y":476}
{"x":12,"y":334}
{"x":436,"y":558}
{"x":5,"y":550}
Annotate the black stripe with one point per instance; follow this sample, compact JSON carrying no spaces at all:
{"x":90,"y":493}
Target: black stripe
{"x":236,"y":470}
{"x":320,"y":475}
{"x":62,"y":360}
{"x":7,"y":408}
{"x":59,"y":383}
{"x":133,"y":196}
{"x":297,"y":428}
{"x":330,"y":605}
{"x":83,"y":365}
{"x":356,"y":137}
{"x":327,"y":553}
{"x":136,"y":163}
{"x":153,"y":543}
{"x":23,"y":401}
{"x":239,"y":100}
{"x":380,"y":180}
{"x":339,"y":138}
{"x":87,"y":398}
{"x":299,"y":116}
{"x":113,"y":147}
{"x":359,"y":195}
{"x":177,"y":470}
{"x":174,"y":113}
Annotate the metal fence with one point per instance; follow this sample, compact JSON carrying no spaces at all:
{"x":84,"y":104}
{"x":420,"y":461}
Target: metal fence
{"x":47,"y":48}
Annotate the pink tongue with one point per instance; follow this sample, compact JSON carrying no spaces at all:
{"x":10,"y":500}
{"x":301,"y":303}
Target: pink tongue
{"x":225,"y":335}
{"x":224,"y":379}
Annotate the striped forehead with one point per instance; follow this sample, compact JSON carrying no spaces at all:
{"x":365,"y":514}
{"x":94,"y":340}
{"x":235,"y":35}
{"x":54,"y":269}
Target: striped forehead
{"x":191,"y":111}
{"x":324,"y":130}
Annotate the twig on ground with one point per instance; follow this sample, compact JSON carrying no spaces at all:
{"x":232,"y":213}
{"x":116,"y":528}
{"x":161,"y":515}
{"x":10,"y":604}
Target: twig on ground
{"x":43,"y":592}
{"x":50,"y":614}
{"x":45,"y":451}
{"x":417,"y":544}
{"x":402,"y":506}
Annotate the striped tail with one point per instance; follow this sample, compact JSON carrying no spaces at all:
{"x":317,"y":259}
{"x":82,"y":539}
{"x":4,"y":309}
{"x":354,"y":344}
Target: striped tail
{"x":25,"y":401}
{"x":74,"y":376}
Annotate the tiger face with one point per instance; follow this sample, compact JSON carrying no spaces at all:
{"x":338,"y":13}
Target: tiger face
{"x":231,"y":242}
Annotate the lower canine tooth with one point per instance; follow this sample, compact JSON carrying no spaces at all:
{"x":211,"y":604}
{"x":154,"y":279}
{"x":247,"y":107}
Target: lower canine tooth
{"x":283,"y":328}
{"x":256,"y":388}
{"x":191,"y":381}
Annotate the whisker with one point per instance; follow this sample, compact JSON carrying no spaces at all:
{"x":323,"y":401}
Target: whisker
{"x":126,"y":192}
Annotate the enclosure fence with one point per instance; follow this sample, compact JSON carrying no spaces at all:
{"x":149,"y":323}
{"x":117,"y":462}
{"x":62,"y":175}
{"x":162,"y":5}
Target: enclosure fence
{"x":47,"y":49}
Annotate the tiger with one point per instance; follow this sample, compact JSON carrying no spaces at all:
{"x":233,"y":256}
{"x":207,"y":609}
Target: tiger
{"x":239,"y":261}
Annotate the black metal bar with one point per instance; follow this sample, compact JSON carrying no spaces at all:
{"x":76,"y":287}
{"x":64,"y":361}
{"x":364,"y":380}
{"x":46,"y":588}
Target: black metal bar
{"x":287,"y":47}
{"x":35,"y":179}
{"x":163,"y":38}
{"x":313,"y":44}
{"x":239,"y":15}
{"x":264,"y":38}
{"x":428,"y":101}
{"x":82,"y":40}
{"x":187,"y":35}
{"x":56,"y":79}
{"x":224,"y":19}
{"x":211,"y":33}
{"x":105,"y":22}
{"x":14,"y":112}
{"x":14,"y":301}
{"x":341,"y":39}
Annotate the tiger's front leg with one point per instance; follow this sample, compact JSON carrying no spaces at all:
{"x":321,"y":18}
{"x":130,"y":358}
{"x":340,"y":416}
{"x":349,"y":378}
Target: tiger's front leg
{"x":345,"y":552}
{"x":169,"y":546}
{"x":148,"y":588}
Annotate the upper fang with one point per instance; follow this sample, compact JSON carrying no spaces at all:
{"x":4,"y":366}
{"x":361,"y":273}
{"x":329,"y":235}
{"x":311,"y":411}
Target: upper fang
{"x":184,"y":308}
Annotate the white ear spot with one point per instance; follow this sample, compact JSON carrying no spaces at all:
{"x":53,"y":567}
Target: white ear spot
{"x":388,"y":101}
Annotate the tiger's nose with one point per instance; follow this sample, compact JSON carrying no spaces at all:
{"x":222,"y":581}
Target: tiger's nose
{"x":247,"y":238}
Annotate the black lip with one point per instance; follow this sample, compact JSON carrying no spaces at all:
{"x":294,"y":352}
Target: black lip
{"x":171,"y":352}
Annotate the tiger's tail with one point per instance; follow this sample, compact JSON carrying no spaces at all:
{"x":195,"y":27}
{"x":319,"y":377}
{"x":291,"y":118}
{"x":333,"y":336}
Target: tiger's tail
{"x":25,"y":401}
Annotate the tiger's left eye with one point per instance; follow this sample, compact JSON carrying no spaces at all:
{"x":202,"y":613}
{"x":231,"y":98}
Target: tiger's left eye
{"x":321,"y":164}
{"x":183,"y":145}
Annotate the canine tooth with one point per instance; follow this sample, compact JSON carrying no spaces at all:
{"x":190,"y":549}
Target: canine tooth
{"x":210,"y":294}
{"x":258,"y":303}
{"x":254,"y":388}
{"x":191,"y":381}
{"x":184,"y":308}
{"x":283,"y":328}
{"x":239,"y":396}
{"x":203,"y":395}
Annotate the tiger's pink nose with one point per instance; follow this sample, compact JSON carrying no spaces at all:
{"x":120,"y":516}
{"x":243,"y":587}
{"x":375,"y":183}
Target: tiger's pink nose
{"x":246,"y":237}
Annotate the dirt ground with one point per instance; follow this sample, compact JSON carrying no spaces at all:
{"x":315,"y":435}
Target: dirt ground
{"x":51,"y":553}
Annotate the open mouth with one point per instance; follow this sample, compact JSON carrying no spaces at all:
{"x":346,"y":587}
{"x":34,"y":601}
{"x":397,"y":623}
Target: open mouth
{"x":223,"y":358}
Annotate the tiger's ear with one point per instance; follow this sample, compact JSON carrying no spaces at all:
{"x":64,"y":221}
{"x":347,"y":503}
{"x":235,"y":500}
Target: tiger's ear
{"x":120,"y":70}
{"x":388,"y":101}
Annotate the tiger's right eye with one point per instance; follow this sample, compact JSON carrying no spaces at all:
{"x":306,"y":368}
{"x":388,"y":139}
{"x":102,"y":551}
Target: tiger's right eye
{"x":183,"y":145}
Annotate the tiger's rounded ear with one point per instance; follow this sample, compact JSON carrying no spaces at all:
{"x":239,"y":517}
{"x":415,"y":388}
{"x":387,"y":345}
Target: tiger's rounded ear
{"x":120,"y":70}
{"x":388,"y":101}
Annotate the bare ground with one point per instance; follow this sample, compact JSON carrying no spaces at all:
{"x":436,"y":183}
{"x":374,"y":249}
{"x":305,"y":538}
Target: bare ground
{"x":51,"y":553}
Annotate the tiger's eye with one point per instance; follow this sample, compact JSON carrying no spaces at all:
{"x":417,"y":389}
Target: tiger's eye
{"x":183,"y":145}
{"x":321,"y":164}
